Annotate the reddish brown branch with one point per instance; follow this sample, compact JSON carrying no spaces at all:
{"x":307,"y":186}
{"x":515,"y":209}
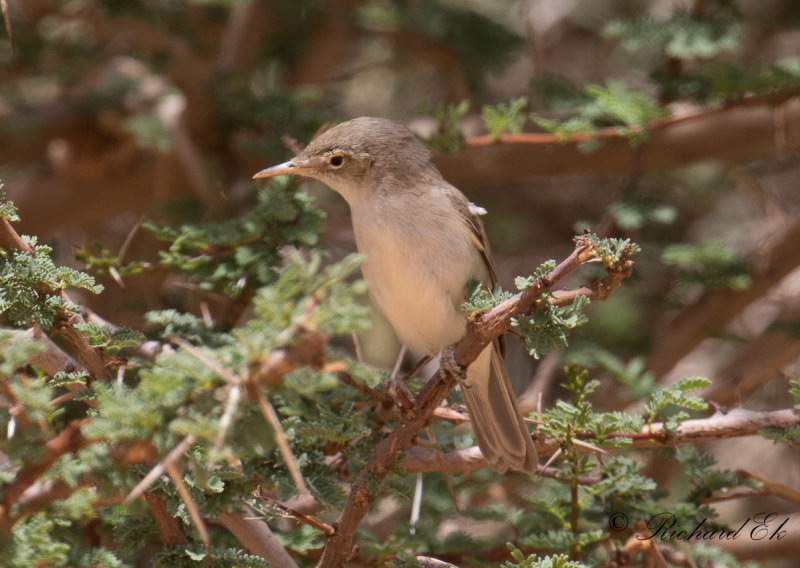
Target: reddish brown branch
{"x":169,"y":528}
{"x":10,"y":239}
{"x":479,"y":333}
{"x":93,"y":358}
{"x":745,"y":130}
{"x":324,"y":528}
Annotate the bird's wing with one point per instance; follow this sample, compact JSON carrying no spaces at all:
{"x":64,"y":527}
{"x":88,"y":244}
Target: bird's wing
{"x":470,"y":214}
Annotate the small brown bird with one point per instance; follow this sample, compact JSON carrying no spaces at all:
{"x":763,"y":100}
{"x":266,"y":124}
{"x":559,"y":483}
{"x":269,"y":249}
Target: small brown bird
{"x":423,"y":242}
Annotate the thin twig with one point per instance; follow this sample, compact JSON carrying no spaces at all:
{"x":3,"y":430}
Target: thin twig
{"x":191,"y":507}
{"x":283,"y":444}
{"x":159,"y":468}
{"x":325,"y":528}
{"x":221,"y":371}
{"x":348,"y":379}
{"x":231,"y":405}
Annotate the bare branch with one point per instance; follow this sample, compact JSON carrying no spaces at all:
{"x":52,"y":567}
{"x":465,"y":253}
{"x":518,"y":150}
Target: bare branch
{"x":199,"y":524}
{"x":736,"y":423}
{"x":174,"y":455}
{"x":280,"y":439}
{"x":169,"y":527}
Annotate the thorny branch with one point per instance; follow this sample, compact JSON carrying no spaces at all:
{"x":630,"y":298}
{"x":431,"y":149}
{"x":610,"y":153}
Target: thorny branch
{"x":735,"y":423}
{"x":479,"y":333}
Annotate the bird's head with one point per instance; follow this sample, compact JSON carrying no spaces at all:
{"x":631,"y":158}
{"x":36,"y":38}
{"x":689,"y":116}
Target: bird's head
{"x":360,"y":157}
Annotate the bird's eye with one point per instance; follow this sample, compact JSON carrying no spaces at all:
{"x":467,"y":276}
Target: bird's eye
{"x":336,"y":161}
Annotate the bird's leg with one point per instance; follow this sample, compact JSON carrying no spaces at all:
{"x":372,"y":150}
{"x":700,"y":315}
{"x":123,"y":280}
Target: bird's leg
{"x":418,"y":366}
{"x":399,"y":362}
{"x":397,"y":390}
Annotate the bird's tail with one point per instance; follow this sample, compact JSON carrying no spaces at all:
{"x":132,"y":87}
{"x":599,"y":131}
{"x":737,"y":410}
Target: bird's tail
{"x":499,"y":428}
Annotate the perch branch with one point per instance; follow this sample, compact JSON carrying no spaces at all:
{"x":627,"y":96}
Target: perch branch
{"x":480,"y":333}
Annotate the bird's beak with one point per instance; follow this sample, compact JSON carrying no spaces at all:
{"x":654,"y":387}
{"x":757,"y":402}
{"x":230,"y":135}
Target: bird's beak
{"x":286,"y":168}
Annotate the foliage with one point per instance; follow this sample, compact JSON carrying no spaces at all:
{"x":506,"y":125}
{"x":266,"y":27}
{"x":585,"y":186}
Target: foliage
{"x":675,"y":396}
{"x":30,"y":284}
{"x":682,"y":35}
{"x":712,"y":264}
{"x":7,"y":209}
{"x":637,"y":212}
{"x":448,"y":137}
{"x":614,"y":105}
{"x":169,"y":107}
{"x":504,"y":117}
{"x":547,"y":329}
{"x":233,"y":256}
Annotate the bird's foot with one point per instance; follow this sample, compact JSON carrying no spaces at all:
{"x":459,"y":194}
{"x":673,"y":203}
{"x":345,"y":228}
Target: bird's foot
{"x":450,"y":365}
{"x":399,"y":394}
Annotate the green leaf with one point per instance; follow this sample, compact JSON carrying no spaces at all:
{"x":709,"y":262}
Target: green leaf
{"x":522,"y":283}
{"x":504,"y":117}
{"x":675,"y":395}
{"x":448,"y":138}
{"x":29,"y":285}
{"x":7,"y":209}
{"x":634,"y":214}
{"x":546,"y":329}
{"x":711,"y":264}
{"x":626,"y":106}
{"x":683,"y":35}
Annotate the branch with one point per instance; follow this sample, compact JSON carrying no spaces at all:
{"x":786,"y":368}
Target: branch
{"x":169,"y":527}
{"x":749,"y":129}
{"x":736,"y":423}
{"x":93,"y":358}
{"x":52,"y":359}
{"x":480,"y":333}
{"x":10,"y":239}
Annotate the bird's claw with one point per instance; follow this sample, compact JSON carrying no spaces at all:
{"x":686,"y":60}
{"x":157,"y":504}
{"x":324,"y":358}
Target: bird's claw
{"x":450,"y":365}
{"x":399,"y":394}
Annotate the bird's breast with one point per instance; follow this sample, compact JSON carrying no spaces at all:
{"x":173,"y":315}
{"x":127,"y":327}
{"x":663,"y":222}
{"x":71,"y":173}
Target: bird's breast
{"x":417,"y":269}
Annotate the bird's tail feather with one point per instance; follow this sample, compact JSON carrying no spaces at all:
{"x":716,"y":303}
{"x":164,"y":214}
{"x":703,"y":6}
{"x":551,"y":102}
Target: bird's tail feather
{"x":499,"y":428}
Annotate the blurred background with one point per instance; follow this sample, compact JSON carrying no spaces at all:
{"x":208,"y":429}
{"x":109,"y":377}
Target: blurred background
{"x":114,"y":112}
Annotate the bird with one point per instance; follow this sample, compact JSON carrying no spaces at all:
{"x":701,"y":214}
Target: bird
{"x":423,"y":242}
